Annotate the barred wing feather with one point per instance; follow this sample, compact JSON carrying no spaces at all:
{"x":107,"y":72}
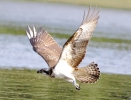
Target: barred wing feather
{"x":75,"y":48}
{"x":44,"y":45}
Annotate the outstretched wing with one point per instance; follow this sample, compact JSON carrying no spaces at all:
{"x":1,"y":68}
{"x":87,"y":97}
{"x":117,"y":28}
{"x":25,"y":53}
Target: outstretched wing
{"x":75,"y":48}
{"x":88,"y":74}
{"x":44,"y":45}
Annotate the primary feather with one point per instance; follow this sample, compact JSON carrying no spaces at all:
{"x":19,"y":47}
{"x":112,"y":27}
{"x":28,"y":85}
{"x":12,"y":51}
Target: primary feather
{"x":44,"y":45}
{"x":75,"y":48}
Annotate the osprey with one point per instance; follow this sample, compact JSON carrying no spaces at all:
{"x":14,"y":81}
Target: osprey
{"x":63,"y":62}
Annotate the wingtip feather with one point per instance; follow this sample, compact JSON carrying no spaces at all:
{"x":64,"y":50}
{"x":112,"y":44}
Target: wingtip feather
{"x":94,"y":16}
{"x":28,"y":35}
{"x":34,"y":31}
{"x":30,"y":31}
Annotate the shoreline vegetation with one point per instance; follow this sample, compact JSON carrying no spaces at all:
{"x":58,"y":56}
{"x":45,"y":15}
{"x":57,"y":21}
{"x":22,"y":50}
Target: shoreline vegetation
{"x":117,"y":4}
{"x":24,"y":84}
{"x":102,"y":42}
{"x":21,"y":31}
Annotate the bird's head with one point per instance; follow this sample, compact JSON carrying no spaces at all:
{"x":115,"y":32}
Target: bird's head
{"x":42,"y":71}
{"x":47,"y":71}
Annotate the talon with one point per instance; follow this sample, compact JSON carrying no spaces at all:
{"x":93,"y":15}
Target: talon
{"x":78,"y":88}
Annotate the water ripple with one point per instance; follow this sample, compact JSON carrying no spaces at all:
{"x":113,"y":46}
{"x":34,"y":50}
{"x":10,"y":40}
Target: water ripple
{"x":16,"y":52}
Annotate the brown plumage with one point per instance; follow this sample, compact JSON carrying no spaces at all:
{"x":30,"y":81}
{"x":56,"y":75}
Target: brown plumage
{"x":77,"y":43}
{"x":87,"y":74}
{"x":68,"y":58}
{"x":44,"y":45}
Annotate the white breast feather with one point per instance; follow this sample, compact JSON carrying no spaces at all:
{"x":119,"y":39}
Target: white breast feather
{"x":63,"y":70}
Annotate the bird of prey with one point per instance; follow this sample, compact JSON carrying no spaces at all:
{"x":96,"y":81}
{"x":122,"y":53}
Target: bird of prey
{"x":64,"y":62}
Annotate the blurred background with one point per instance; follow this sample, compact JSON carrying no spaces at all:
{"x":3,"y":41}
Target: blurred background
{"x":110,"y":47}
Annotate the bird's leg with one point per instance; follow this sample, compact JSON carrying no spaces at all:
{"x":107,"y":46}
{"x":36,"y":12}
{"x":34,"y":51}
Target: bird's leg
{"x":73,"y":80}
{"x":76,"y":85}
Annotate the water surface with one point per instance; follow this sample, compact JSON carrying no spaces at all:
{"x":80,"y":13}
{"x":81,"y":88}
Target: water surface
{"x":16,"y":51}
{"x":65,"y":18}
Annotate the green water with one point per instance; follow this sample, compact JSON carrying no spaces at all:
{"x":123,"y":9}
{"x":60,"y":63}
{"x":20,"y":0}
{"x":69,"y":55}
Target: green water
{"x":28,"y":85}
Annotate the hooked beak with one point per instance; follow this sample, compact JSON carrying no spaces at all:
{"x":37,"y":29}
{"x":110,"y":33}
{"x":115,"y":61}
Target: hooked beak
{"x":46,"y":70}
{"x":40,"y":71}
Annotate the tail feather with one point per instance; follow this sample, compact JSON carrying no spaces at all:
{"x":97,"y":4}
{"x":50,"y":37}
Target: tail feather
{"x":87,"y":74}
